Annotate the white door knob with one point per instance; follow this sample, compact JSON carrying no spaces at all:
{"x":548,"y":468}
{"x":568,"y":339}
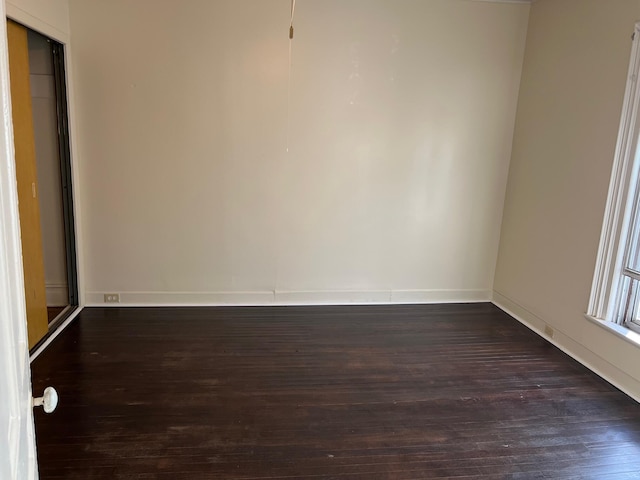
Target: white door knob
{"x":49,"y":400}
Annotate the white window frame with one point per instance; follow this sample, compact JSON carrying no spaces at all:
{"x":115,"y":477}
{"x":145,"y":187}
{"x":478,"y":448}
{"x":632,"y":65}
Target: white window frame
{"x":607,"y":293}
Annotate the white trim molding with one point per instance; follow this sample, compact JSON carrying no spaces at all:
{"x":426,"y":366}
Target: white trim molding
{"x":623,"y":182}
{"x":619,"y":331}
{"x":282,"y":297}
{"x":14,"y":12}
{"x":55,"y":333}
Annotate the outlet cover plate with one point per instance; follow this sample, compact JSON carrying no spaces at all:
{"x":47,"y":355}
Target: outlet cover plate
{"x":111,"y":298}
{"x":548,"y":331}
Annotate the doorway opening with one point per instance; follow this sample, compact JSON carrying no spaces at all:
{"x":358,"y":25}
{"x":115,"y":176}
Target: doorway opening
{"x":53,"y":164}
{"x":43,"y":171}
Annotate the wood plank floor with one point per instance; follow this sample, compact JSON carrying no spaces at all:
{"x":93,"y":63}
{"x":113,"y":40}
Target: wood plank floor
{"x":376,"y":392}
{"x":53,"y":312}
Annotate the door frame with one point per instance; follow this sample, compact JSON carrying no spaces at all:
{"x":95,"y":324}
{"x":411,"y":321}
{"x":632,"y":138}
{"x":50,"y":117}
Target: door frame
{"x":37,"y":20}
{"x":17,"y":433}
{"x":66,"y":171}
{"x":37,"y":24}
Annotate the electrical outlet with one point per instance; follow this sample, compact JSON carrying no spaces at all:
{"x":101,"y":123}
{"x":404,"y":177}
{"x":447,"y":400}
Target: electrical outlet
{"x":548,"y":331}
{"x":111,"y":298}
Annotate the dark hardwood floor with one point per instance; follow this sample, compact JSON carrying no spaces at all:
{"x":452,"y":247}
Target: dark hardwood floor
{"x":357,"y":393}
{"x":53,"y":312}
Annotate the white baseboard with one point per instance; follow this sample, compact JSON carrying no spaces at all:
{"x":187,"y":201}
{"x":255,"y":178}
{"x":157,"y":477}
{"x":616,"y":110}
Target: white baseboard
{"x":169,"y":299}
{"x":338,"y":297}
{"x":440,"y":296}
{"x":591,"y":360}
{"x":281,"y":297}
{"x":57,"y":295}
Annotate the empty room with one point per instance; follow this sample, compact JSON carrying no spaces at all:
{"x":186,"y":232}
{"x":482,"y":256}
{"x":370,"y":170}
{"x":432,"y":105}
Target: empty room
{"x":341,"y":239}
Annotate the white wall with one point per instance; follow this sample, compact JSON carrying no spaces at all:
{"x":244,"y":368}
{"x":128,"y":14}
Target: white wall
{"x":400,"y":134}
{"x":573,"y":83}
{"x":45,"y":126}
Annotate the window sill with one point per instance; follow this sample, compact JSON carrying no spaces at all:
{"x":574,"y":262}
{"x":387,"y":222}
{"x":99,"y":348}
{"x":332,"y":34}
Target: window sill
{"x":629,"y":335}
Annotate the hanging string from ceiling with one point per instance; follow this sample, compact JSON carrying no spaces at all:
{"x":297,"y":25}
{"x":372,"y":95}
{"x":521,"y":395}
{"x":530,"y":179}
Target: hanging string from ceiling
{"x":293,"y":11}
